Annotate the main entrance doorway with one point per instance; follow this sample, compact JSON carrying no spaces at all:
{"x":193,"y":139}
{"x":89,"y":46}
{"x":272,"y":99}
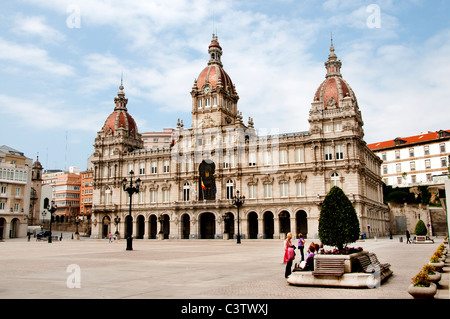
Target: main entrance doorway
{"x":207,"y":225}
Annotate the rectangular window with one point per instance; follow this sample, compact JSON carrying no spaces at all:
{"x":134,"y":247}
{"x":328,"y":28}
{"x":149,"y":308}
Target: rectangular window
{"x":411,"y":152}
{"x":267,"y":157}
{"x":251,"y":191}
{"x":166,"y":166}
{"x":284,"y":189}
{"x":442,"y":147}
{"x":2,"y":206}
{"x":444,"y":161}
{"x":427,"y":163}
{"x":267,"y":190}
{"x":283,"y":157}
{"x":337,"y":127}
{"x":339,"y":152}
{"x":328,"y":153}
{"x":165,"y":195}
{"x":398,"y":168}
{"x":383,"y":156}
{"x":412,"y":166}
{"x":153,"y":196}
{"x":142,"y":168}
{"x":426,"y":150}
{"x":327,"y":128}
{"x":252,"y":159}
{"x":397,"y":154}
{"x":199,"y":104}
{"x":300,"y":188}
{"x":299,"y":155}
{"x":154,"y":167}
{"x":226,"y":163}
{"x":385,"y":169}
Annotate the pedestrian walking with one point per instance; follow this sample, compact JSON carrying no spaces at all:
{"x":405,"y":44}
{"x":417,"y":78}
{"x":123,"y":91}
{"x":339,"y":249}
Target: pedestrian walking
{"x":301,"y":246}
{"x":110,"y":237}
{"x":408,"y":236}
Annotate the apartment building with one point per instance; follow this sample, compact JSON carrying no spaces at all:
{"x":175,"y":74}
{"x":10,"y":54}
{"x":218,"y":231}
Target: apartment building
{"x":15,"y":189}
{"x":421,"y":159}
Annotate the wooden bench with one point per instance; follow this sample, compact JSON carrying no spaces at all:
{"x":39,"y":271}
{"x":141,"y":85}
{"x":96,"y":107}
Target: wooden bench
{"x":374,"y":260}
{"x":329,"y":267}
{"x":370,"y":264}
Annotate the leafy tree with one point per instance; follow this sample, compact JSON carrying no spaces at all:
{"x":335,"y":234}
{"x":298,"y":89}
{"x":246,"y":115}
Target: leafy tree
{"x":421,"y":229}
{"x":338,"y":222}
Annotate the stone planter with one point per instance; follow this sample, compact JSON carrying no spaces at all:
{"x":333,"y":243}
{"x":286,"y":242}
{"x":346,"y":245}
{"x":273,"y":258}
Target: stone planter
{"x":435,"y":278}
{"x":422,"y":292}
{"x":438,"y":266}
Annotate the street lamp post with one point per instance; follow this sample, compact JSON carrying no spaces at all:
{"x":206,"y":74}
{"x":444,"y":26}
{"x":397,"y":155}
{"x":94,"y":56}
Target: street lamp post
{"x":238,"y":201}
{"x":131,"y":189}
{"x":51,"y":209}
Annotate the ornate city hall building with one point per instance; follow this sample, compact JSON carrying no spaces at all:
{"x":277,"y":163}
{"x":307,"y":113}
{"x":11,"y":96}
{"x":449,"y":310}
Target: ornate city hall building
{"x":186,"y":189}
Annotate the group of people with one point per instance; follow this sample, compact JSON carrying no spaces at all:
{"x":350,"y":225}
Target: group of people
{"x":112,"y":237}
{"x":289,"y":254}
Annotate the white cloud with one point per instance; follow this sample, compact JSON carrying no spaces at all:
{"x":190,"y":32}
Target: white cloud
{"x":46,"y":115}
{"x":36,"y":26}
{"x":32,"y":57}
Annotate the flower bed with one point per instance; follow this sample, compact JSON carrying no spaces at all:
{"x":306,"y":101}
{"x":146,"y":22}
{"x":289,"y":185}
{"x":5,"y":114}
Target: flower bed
{"x":345,"y":251}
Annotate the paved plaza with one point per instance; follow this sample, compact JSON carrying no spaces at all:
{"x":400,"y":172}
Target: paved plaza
{"x":187,"y":269}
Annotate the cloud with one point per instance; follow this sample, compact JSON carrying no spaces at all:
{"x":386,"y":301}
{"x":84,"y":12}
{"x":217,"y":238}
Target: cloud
{"x":36,"y":26}
{"x":32,"y":57}
{"x":46,"y":115}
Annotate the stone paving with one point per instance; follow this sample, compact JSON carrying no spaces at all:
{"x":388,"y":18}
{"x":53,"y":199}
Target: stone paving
{"x":187,"y":269}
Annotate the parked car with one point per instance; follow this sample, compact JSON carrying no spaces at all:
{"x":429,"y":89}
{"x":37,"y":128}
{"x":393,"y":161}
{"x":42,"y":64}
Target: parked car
{"x":43,"y":234}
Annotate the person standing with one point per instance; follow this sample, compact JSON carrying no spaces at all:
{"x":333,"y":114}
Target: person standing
{"x":301,"y":246}
{"x":288,"y":255}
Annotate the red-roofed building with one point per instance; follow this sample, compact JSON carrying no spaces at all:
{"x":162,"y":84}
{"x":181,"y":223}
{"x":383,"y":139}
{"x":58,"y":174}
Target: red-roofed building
{"x":415,"y":160}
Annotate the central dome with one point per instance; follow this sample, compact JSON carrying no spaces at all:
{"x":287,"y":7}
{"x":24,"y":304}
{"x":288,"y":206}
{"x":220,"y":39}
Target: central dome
{"x":214,"y":75}
{"x":334,"y":88}
{"x":120,"y":118}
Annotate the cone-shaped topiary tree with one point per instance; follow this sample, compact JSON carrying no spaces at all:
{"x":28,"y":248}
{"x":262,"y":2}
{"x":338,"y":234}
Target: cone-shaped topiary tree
{"x":421,"y":229}
{"x":338,"y":222}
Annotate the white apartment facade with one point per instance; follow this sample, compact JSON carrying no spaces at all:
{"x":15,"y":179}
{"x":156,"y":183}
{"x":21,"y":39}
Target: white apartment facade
{"x":416,"y":160}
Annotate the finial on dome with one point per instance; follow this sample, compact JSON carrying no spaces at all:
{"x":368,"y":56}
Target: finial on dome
{"x":120,"y":100}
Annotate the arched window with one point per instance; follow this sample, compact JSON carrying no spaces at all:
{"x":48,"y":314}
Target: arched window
{"x":229,"y":189}
{"x":335,"y":180}
{"x":186,"y":188}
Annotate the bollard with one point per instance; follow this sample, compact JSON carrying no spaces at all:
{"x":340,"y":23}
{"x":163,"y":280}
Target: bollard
{"x":401,"y":239}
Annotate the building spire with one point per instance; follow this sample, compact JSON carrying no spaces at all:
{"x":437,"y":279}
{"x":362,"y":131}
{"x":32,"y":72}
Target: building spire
{"x":120,"y":100}
{"x":333,"y":65}
{"x":215,"y":51}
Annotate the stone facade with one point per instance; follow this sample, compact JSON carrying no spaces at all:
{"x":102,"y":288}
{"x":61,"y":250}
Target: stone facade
{"x":187,"y":188}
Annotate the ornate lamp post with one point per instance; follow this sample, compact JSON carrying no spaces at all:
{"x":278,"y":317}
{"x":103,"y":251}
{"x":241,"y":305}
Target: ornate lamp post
{"x":51,"y":209}
{"x":238,"y":201}
{"x":131,"y":189}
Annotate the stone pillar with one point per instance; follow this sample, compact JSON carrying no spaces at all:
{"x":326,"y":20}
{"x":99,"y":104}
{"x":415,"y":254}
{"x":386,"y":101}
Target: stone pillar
{"x":276,"y":227}
{"x":260,"y":227}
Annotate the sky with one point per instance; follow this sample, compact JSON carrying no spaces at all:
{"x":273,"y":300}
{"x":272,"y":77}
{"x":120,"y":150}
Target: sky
{"x":61,"y":64}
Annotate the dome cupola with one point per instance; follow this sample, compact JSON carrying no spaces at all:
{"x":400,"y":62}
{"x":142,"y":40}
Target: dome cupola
{"x":120,"y":121}
{"x":335,"y":108}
